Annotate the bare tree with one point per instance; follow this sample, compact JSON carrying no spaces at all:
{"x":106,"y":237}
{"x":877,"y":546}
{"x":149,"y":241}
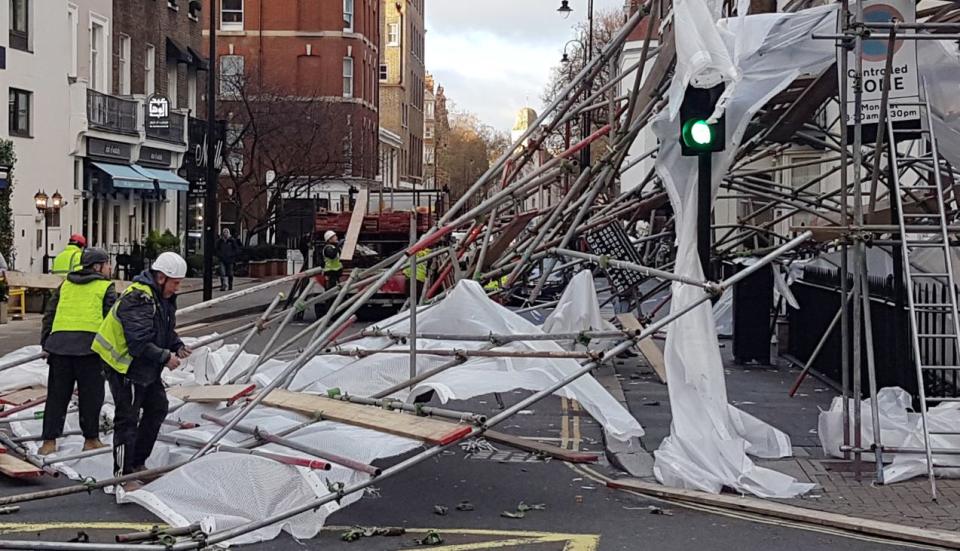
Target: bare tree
{"x":471,"y":145}
{"x":278,"y":145}
{"x":605,"y":27}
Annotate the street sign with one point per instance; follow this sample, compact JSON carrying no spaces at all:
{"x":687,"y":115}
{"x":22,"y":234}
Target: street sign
{"x":611,"y":241}
{"x":904,"y":83}
{"x":158,"y":112}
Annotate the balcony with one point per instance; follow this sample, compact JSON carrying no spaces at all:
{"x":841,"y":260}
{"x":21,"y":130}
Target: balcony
{"x":111,"y":114}
{"x":175,"y":133}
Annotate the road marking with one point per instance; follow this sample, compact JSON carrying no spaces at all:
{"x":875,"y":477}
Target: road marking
{"x":21,"y":527}
{"x":574,"y":542}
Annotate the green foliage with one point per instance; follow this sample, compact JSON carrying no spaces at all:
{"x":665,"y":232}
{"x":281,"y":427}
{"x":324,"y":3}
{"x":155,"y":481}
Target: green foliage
{"x":157,"y":243}
{"x":8,"y":158}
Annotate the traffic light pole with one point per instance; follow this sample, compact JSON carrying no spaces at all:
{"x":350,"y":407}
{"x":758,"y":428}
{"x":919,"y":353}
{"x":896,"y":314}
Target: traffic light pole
{"x":703,"y":211}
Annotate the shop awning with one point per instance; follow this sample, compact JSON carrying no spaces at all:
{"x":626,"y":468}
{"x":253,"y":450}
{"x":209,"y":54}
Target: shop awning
{"x":125,"y":176}
{"x":167,"y":179}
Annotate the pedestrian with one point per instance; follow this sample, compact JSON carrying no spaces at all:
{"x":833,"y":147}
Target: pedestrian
{"x":69,"y":259}
{"x":228,"y":249}
{"x":137,"y":340}
{"x":70,"y":323}
{"x":332,"y":266}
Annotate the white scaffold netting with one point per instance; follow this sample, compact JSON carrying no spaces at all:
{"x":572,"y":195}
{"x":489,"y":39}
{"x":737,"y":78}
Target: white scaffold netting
{"x":226,"y":490}
{"x":710,"y":439}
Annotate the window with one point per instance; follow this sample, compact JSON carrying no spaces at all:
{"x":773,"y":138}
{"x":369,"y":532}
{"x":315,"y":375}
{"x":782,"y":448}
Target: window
{"x":231,"y":75}
{"x":98,"y":52}
{"x":124,"y":66}
{"x":231,"y":15}
{"x":348,"y":15}
{"x":802,"y":175}
{"x":116,"y":224}
{"x":428,"y":131}
{"x":20,"y":24}
{"x":348,"y":77}
{"x":173,"y":85}
{"x":72,"y":33}
{"x":429,"y":110}
{"x":383,"y":71}
{"x":234,"y":143}
{"x":192,"y":90}
{"x":393,"y":34}
{"x":149,"y":77}
{"x":20,"y":112}
{"x":53,"y":218}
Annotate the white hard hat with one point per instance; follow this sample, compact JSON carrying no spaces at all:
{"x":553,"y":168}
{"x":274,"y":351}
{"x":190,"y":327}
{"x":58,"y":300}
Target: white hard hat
{"x":171,"y":265}
{"x":329,"y":234}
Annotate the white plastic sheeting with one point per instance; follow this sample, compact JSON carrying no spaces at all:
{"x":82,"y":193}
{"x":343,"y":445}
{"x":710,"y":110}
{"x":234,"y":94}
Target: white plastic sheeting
{"x":225,"y":490}
{"x":578,"y":308}
{"x":710,"y":439}
{"x":900,"y":426}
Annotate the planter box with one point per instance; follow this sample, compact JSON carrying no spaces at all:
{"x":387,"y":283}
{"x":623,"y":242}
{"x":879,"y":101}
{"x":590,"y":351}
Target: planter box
{"x":258,"y":268}
{"x":279,"y":267}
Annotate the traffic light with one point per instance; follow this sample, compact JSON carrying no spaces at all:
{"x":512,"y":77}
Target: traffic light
{"x":696,"y":134}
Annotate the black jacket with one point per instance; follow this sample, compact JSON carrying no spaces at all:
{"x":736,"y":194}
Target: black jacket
{"x":149,"y":325}
{"x":228,"y":249}
{"x":72,"y":343}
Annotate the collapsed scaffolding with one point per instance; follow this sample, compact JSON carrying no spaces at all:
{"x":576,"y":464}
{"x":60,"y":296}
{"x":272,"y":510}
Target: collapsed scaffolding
{"x":521,"y":250}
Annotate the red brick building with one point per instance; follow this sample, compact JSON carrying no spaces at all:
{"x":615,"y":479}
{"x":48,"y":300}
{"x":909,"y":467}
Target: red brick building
{"x":307,"y":71}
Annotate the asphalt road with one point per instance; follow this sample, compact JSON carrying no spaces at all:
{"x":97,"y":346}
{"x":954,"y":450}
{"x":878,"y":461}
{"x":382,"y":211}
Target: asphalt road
{"x":578,"y":512}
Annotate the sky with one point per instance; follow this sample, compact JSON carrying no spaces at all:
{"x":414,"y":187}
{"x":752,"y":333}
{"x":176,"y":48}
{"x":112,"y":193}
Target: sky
{"x":493,"y":57}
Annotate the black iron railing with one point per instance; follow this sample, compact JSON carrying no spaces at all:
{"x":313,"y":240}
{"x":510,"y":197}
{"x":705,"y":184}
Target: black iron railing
{"x":111,"y":113}
{"x":174,"y":133}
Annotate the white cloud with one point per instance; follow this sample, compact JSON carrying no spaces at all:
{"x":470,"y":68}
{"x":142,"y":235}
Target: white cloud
{"x":494,"y":57}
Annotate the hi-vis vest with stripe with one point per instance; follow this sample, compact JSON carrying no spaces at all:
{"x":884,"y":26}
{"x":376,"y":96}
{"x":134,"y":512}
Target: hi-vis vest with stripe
{"x":421,"y":266}
{"x":110,"y":343}
{"x":332,"y":264}
{"x":80,"y":306}
{"x":68,"y":260}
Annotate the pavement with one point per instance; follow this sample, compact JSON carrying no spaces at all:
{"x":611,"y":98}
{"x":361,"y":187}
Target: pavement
{"x":762,"y":392}
{"x":579,"y":513}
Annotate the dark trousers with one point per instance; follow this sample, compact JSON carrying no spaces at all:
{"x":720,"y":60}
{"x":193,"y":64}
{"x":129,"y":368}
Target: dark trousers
{"x":140,"y":411}
{"x":84,"y":372}
{"x":226,"y":275}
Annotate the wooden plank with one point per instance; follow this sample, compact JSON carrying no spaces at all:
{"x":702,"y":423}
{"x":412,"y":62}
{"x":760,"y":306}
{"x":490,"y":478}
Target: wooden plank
{"x":647,"y":347}
{"x":24,"y":395}
{"x":356,"y":223}
{"x":46,"y":281}
{"x":211,"y":393}
{"x":533,"y":446}
{"x":509,"y":233}
{"x":798,"y":514}
{"x":425,"y":429}
{"x":17,"y":468}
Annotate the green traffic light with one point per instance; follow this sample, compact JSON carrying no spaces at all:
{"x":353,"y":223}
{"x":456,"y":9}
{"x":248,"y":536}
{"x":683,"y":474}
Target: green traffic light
{"x":697,"y":134}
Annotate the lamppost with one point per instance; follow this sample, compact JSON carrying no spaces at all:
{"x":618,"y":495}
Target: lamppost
{"x":566,"y":10}
{"x":212,"y":177}
{"x":47,"y":206}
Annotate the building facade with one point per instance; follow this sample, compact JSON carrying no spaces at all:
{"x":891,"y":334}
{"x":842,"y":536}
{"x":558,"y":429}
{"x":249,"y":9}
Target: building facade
{"x":402,"y":83}
{"x":79,"y":77}
{"x":306,"y":72}
{"x":435,"y":130}
{"x":36,"y":38}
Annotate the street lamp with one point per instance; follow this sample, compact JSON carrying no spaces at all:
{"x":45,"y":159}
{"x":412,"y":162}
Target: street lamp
{"x":566,"y":10}
{"x":47,"y":206}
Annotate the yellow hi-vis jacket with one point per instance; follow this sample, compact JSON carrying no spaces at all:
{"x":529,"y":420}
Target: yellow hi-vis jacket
{"x":110,"y":343}
{"x":68,"y":260}
{"x":80,"y":306}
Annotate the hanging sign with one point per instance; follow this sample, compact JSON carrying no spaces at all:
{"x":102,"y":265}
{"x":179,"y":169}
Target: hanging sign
{"x":904,"y":83}
{"x":158,"y":112}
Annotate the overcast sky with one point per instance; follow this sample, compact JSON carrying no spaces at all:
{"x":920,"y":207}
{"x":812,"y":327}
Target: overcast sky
{"x":493,"y":57}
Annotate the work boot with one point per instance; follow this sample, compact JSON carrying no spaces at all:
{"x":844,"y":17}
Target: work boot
{"x":92,"y":444}
{"x":48,"y":447}
{"x":131,"y":485}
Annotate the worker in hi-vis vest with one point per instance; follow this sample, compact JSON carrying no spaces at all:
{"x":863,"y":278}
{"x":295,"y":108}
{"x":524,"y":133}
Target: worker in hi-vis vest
{"x":71,"y":321}
{"x":137,"y":339}
{"x":332,"y":266}
{"x":69,"y":259}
